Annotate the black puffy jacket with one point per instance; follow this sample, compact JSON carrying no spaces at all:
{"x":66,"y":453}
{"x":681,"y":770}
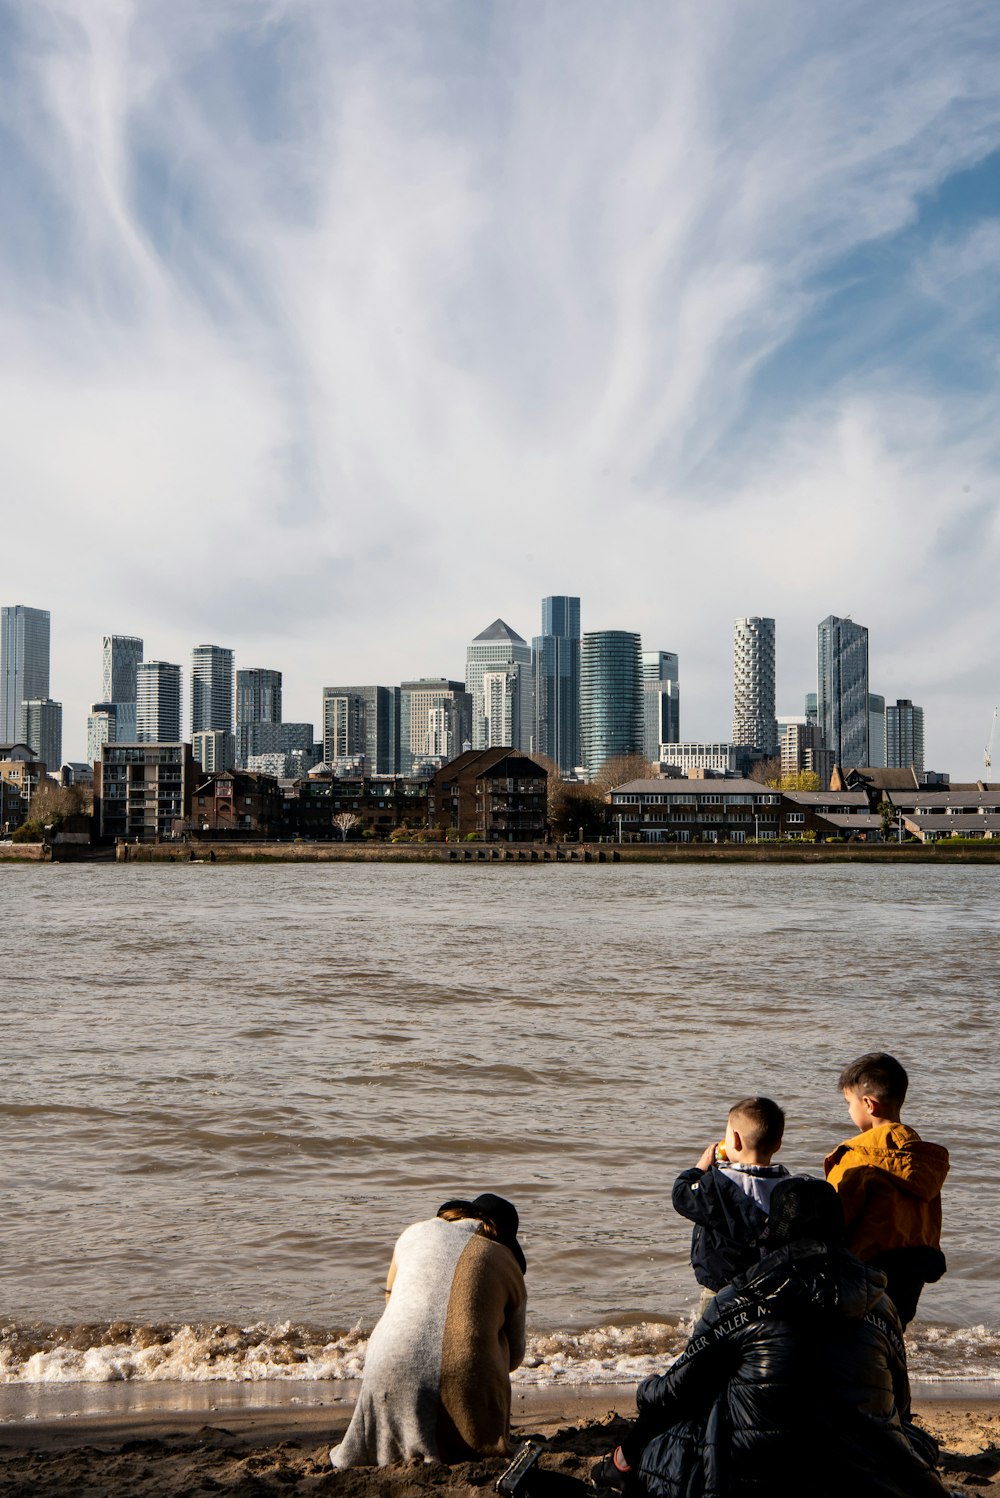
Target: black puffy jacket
{"x":794,"y":1382}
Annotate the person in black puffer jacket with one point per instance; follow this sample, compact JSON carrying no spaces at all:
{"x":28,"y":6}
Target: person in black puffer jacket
{"x":793,"y":1382}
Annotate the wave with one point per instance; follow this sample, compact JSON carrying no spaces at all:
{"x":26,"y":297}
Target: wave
{"x":120,"y":1351}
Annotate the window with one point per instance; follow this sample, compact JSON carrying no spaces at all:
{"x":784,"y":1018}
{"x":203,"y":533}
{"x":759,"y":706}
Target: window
{"x":795,"y":816}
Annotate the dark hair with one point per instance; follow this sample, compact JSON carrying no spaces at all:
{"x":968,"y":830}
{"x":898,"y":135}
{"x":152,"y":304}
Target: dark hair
{"x":802,"y":1207}
{"x":762,"y":1122}
{"x":877,"y":1075}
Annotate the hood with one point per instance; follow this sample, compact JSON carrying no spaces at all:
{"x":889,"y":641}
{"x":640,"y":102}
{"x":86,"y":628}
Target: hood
{"x":916,"y":1166}
{"x":807,"y":1278}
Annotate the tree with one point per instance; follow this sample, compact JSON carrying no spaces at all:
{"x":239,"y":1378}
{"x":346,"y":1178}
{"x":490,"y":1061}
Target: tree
{"x":797,"y":780}
{"x":887,"y":815}
{"x":576,"y":808}
{"x":50,"y":806}
{"x":765,"y":771}
{"x":346,"y":820}
{"x":620,"y":769}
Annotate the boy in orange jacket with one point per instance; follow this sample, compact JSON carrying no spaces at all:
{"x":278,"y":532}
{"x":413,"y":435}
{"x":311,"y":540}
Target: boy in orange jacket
{"x":889,"y":1182}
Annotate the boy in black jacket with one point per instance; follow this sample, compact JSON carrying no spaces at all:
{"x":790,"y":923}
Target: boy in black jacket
{"x":728,"y":1193}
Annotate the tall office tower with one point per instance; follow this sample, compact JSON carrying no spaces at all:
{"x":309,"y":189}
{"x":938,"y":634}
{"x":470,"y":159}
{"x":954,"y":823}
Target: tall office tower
{"x":362,"y":720}
{"x":24,"y":663}
{"x":842,"y":690}
{"x":435,"y":722}
{"x":904,"y":736}
{"x":258,"y":695}
{"x":499,"y":646}
{"x":876,"y":731}
{"x":158,"y":703}
{"x":555,"y":672}
{"x":611,"y":719}
{"x":213,"y":749}
{"x":40,"y":727}
{"x":211,"y":688}
{"x":661,"y":702}
{"x":754,"y":723}
{"x":102,"y":728}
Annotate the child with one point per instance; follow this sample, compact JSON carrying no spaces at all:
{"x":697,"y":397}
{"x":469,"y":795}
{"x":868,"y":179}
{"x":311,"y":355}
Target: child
{"x":726,"y":1195}
{"x":889,"y":1182}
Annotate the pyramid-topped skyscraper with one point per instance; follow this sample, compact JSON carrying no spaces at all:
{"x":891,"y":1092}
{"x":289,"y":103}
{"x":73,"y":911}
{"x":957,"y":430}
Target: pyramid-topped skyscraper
{"x":498,"y":678}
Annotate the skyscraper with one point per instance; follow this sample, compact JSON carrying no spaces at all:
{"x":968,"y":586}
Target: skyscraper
{"x":611,"y":718}
{"x":158,"y":703}
{"x":435,"y":722}
{"x":40,"y":727}
{"x":24,"y":664}
{"x":258,"y":695}
{"x":211,"y":688}
{"x":555,"y":670}
{"x":120,"y":656}
{"x":497,"y":647}
{"x":904,"y":736}
{"x":842,"y":690}
{"x":661,"y":701}
{"x":362,"y":720}
{"x":102,"y":728}
{"x":754,"y":722}
{"x":876,"y":730}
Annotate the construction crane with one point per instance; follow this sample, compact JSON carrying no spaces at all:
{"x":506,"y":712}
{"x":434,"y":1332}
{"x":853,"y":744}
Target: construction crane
{"x":988,"y":751}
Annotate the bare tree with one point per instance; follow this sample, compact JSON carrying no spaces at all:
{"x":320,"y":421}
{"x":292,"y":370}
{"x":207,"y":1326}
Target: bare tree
{"x":621,"y":768}
{"x":766,"y":771}
{"x":346,"y":820}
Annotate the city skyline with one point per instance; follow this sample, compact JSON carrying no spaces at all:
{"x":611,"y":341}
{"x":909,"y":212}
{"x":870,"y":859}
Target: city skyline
{"x":396,"y":329}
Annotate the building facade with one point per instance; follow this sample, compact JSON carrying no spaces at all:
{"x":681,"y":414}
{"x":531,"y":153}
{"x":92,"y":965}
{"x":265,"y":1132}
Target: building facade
{"x":661,"y":701}
{"x":876,"y":731}
{"x":754,"y":723}
{"x":611,"y":696}
{"x":362,"y":721}
{"x":801,"y":748}
{"x":214,"y":750}
{"x":435,"y":723}
{"x":494,"y":795}
{"x":842,"y":689}
{"x":211,"y":688}
{"x":143,"y":791}
{"x":904,"y":736}
{"x":555,"y":671}
{"x":282,"y":739}
{"x":158,"y":703}
{"x":24,"y":663}
{"x":40,"y":726}
{"x":691,"y":755}
{"x":258,"y":695}
{"x":500,"y":648}
{"x":121,"y":656}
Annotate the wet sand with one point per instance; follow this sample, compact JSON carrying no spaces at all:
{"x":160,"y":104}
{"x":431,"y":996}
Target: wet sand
{"x":244,"y":1452}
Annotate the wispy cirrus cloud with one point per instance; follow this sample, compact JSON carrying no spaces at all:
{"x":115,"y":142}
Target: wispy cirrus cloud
{"x":330,"y":332}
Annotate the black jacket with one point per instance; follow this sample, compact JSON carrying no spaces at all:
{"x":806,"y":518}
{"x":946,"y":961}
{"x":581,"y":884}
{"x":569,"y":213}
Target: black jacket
{"x":794,"y":1382}
{"x":728,"y":1223}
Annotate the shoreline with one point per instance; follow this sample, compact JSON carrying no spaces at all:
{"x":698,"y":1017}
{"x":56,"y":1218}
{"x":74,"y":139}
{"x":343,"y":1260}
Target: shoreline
{"x":274,"y":1448}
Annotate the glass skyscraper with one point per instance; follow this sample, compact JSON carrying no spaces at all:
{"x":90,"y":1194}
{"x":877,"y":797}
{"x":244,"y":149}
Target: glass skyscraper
{"x":904,"y":736}
{"x":258,"y":695}
{"x":24,"y":664}
{"x":611,"y":699}
{"x":661,"y":701}
{"x":842,"y":690}
{"x":555,"y":667}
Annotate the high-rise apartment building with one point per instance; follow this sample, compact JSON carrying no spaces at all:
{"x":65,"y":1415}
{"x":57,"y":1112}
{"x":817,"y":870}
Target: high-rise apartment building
{"x":158,"y":703}
{"x":24,"y":664}
{"x":904,"y":736}
{"x":211,"y":688}
{"x":258,"y":695}
{"x":611,"y":717}
{"x":40,"y":727}
{"x":555,"y":670}
{"x":102,"y":728}
{"x":214,"y":749}
{"x":661,"y":702}
{"x":876,"y":731}
{"x":500,"y":647}
{"x":842,"y":690}
{"x":435,"y":722}
{"x":362,"y":720}
{"x":801,"y":748}
{"x":754,"y":723}
{"x":282,"y":739}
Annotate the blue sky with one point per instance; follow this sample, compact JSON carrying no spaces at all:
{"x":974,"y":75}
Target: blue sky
{"x":331,"y":332}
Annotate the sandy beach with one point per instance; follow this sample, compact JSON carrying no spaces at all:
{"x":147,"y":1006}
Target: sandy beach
{"x":181,"y":1454}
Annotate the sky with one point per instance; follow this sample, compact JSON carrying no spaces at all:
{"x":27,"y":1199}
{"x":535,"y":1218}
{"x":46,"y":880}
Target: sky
{"x":332,"y":332}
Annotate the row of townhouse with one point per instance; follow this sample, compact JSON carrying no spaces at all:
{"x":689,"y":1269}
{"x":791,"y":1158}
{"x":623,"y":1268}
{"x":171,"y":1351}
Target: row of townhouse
{"x":733,"y":810}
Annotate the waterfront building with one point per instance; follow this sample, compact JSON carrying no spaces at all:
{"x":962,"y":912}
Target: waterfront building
{"x":20,"y":773}
{"x":381,"y":803}
{"x":876,"y":731}
{"x":24,"y":663}
{"x":362,"y":720}
{"x":143,"y":791}
{"x":754,"y":722}
{"x":842,"y":689}
{"x":497,"y":648}
{"x":691,"y":755}
{"x":611,"y":698}
{"x":717,"y":810}
{"x":214,"y":750}
{"x":158,"y":703}
{"x":435,"y":723}
{"x":495,"y":795}
{"x":40,"y":725}
{"x":661,"y":701}
{"x":904,"y":736}
{"x":258,"y":695}
{"x":236,"y":801}
{"x":211,"y":688}
{"x":555,"y":672}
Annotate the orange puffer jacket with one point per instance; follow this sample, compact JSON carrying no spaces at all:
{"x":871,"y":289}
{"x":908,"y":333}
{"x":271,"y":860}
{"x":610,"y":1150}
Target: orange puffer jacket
{"x":889,"y":1183}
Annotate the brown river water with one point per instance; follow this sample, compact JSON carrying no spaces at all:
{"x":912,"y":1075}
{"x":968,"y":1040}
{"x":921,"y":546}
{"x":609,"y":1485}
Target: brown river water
{"x":228,"y":1089}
